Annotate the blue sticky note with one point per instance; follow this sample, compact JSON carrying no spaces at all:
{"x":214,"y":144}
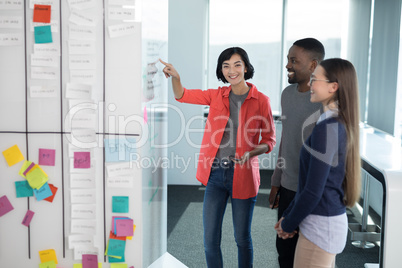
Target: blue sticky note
{"x":43,"y":192}
{"x":120,"y":204}
{"x":43,"y":34}
{"x":120,"y":150}
{"x":23,"y":189}
{"x":116,"y":247}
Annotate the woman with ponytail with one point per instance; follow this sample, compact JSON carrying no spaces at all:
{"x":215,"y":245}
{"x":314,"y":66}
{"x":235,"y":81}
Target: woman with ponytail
{"x":329,"y":175}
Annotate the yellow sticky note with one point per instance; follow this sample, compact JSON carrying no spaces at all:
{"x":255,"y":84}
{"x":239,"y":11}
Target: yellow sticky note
{"x":130,"y":237}
{"x":118,"y":265}
{"x":36,"y":177}
{"x":48,"y":255}
{"x":13,"y":155}
{"x":49,"y":264}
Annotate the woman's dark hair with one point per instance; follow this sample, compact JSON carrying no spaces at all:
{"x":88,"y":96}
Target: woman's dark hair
{"x":226,"y":55}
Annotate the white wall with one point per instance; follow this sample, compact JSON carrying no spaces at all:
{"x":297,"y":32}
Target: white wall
{"x":187,"y":52}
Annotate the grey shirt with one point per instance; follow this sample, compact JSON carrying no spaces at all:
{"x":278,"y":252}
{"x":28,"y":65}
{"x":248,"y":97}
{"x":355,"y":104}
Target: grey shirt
{"x":228,"y":142}
{"x":298,"y":120}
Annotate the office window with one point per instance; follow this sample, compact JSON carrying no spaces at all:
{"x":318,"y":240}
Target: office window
{"x":326,"y":21}
{"x":256,"y":26}
{"x":398,"y":109}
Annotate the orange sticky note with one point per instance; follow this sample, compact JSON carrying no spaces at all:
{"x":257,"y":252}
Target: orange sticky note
{"x":113,"y":236}
{"x":13,"y":155}
{"x":48,"y":255}
{"x":42,"y":13}
{"x":54,"y":190}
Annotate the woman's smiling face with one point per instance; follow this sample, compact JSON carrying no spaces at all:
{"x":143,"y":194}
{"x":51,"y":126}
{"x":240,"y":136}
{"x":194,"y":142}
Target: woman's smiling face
{"x":234,"y":69}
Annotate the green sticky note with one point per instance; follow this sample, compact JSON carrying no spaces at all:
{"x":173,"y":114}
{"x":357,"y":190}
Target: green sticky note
{"x":118,"y":265}
{"x":49,"y":264}
{"x":114,"y":260}
{"x":36,"y":177}
{"x":23,"y":189}
{"x":120,"y":204}
{"x":116,"y":248}
{"x":43,"y":34}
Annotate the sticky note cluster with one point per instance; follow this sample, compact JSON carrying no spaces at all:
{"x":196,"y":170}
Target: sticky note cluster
{"x":35,"y":183}
{"x":122,"y":229}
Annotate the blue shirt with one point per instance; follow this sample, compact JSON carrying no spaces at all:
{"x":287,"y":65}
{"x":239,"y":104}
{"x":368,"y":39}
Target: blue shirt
{"x":321,"y":174}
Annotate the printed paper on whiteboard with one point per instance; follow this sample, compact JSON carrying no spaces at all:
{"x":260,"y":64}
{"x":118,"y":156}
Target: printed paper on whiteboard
{"x":83,"y":138}
{"x":83,"y":227}
{"x":11,"y":22}
{"x":11,"y":39}
{"x":82,"y":18}
{"x":122,"y":2}
{"x":83,"y":211}
{"x":46,"y":49}
{"x":83,"y":76}
{"x":83,"y":196}
{"x":44,"y":61}
{"x":80,"y":240}
{"x":79,"y":32}
{"x":79,"y":180}
{"x":117,"y":170}
{"x":120,"y":182}
{"x":118,"y":13}
{"x":47,"y":73}
{"x":121,"y":30}
{"x":82,"y":62}
{"x":81,"y":4}
{"x":78,"y":91}
{"x":81,"y":47}
{"x":11,"y":4}
{"x":43,"y":91}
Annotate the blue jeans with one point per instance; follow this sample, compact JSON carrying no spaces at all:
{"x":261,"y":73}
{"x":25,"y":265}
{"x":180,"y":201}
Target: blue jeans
{"x":217,"y":192}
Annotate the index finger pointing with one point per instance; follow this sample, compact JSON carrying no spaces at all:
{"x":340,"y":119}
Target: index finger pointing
{"x":164,"y":63}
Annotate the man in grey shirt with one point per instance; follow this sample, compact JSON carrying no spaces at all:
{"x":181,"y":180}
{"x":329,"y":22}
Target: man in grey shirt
{"x":298,"y":118}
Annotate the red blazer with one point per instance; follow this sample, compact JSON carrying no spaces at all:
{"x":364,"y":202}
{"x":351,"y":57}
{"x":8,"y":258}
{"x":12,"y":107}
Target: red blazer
{"x":255,"y":118}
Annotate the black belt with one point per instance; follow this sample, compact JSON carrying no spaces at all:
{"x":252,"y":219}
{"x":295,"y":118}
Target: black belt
{"x":223,"y":163}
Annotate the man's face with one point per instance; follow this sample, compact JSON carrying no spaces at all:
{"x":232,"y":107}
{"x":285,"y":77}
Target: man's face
{"x":299,"y":65}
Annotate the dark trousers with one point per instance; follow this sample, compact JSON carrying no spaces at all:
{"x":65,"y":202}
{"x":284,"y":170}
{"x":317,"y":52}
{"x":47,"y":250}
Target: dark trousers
{"x":286,"y":248}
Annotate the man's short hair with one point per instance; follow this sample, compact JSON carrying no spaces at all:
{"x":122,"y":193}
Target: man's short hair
{"x":313,"y":46}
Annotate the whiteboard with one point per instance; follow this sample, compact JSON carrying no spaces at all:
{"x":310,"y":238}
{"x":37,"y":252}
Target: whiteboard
{"x":113,"y":66}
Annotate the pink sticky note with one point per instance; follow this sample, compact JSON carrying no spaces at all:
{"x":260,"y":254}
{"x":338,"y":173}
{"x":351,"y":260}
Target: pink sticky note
{"x":82,"y":159}
{"x":29,"y":168}
{"x":47,"y":157}
{"x":145,"y":115}
{"x":89,"y":261}
{"x":5,"y":205}
{"x":28,"y":217}
{"x":124,"y":227}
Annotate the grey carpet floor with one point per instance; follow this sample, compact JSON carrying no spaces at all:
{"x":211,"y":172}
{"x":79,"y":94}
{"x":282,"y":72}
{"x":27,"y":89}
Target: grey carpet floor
{"x":185,"y":231}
